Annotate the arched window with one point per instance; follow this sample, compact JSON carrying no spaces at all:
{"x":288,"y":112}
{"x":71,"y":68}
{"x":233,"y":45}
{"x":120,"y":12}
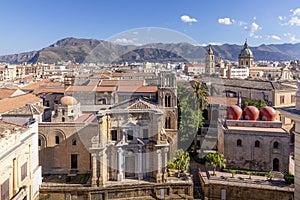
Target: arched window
{"x":57,"y":139}
{"x":74,"y":143}
{"x":63,"y":119}
{"x":168,"y":123}
{"x":257,"y":144}
{"x":40,"y":142}
{"x":239,"y":143}
{"x":167,"y":101}
{"x":275,"y":164}
{"x":276,"y":145}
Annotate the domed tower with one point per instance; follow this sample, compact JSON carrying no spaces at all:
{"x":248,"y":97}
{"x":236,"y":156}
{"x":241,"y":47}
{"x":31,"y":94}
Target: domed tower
{"x":210,"y":62}
{"x":246,"y":58}
{"x":67,"y":111}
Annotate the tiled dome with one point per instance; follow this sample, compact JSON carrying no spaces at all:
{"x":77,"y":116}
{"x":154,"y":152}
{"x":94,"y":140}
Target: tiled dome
{"x":251,"y":113}
{"x":268,"y":113}
{"x":234,"y":112}
{"x":68,"y":100}
{"x":246,"y":52}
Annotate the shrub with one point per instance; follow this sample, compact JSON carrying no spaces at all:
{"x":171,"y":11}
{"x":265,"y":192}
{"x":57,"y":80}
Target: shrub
{"x":289,"y":178}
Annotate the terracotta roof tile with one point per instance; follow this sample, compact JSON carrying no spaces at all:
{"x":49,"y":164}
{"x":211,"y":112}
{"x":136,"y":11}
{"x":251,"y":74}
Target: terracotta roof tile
{"x":80,"y":88}
{"x":225,"y":101}
{"x":137,"y":88}
{"x":42,"y":83}
{"x":18,"y":101}
{"x":49,"y":90}
{"x":5,"y":92}
{"x":121,"y":82}
{"x":106,"y":89}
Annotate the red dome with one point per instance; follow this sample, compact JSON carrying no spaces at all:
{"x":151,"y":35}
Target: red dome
{"x":268,"y":113}
{"x":251,"y":113}
{"x":234,"y":112}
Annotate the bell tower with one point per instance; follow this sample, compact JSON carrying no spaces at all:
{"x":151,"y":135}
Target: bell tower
{"x":167,"y":98}
{"x":210,"y":62}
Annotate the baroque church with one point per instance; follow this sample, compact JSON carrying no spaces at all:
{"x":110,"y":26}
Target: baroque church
{"x":136,"y":137}
{"x":131,"y":139}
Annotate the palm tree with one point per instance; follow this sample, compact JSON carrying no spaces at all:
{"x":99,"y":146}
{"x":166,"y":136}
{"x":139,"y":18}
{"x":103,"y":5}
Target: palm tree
{"x":216,"y":160}
{"x":201,"y":94}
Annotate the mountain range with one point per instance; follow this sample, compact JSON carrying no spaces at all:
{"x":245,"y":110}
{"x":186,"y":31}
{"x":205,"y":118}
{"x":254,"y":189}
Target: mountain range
{"x":92,"y":50}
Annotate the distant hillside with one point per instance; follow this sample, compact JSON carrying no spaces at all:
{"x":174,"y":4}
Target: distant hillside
{"x":91,"y":50}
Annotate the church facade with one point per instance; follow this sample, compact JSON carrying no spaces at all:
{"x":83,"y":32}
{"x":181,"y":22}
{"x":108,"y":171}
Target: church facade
{"x":136,"y":137}
{"x":131,"y":139}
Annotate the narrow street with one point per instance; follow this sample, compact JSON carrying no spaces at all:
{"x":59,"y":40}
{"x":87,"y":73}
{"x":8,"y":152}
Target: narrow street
{"x":194,"y":169}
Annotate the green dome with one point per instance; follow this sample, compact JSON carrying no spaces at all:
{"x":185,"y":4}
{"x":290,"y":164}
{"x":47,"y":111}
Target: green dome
{"x":246,"y":52}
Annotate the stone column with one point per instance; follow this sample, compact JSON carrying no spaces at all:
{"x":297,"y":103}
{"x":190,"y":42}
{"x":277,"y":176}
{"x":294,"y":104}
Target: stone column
{"x":94,"y":170}
{"x":101,"y":166}
{"x":140,"y":164}
{"x":159,"y":166}
{"x":120,"y":163}
{"x":165,"y":163}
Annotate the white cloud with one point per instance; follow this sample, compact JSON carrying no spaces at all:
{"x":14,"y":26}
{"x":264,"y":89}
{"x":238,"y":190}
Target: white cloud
{"x":124,"y":41}
{"x":252,"y":29}
{"x":294,"y":21}
{"x":257,"y":36}
{"x":215,"y":43}
{"x":187,"y":19}
{"x":254,"y":18}
{"x":210,"y":43}
{"x":292,"y":38}
{"x":274,"y":37}
{"x":226,"y":21}
{"x":241,"y":23}
{"x":281,"y":18}
{"x":296,"y":11}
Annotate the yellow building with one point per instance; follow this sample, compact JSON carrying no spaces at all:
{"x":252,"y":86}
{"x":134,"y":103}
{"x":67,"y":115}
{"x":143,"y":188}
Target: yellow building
{"x":20,"y":173}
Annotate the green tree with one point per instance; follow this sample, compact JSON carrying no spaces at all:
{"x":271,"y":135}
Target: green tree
{"x":180,"y":161}
{"x":201,"y":93}
{"x":253,"y":102}
{"x":189,"y":116}
{"x":216,"y":160}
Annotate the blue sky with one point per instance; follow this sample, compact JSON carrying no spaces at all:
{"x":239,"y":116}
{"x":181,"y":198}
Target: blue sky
{"x":33,"y":24}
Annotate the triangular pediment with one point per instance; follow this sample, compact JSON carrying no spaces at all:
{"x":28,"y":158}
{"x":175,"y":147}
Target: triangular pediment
{"x":135,"y":104}
{"x":140,"y":104}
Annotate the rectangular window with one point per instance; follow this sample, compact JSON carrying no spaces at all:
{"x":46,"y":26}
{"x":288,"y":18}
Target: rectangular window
{"x":56,"y":139}
{"x":281,"y":99}
{"x":102,"y":101}
{"x":5,"y":190}
{"x":73,"y":161}
{"x":293,"y":98}
{"x":168,"y":123}
{"x":145,"y":134}
{"x":114,"y":135}
{"x":130,"y":135}
{"x":23,"y":171}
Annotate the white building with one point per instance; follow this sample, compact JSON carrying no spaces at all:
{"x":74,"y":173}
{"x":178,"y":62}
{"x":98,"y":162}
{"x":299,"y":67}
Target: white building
{"x":237,"y":72}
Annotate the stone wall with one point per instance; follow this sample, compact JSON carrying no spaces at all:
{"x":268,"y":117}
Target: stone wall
{"x":242,"y":191}
{"x":181,"y":190}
